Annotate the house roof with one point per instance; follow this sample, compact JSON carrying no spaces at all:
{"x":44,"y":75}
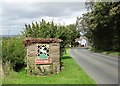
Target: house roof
{"x":80,"y":38}
{"x":29,"y":41}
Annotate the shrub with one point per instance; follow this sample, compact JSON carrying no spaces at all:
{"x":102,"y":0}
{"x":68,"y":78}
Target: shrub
{"x":13,"y":53}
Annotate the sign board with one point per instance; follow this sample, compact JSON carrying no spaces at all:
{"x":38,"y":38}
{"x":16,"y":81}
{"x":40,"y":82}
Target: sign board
{"x":43,"y":61}
{"x":43,"y":55}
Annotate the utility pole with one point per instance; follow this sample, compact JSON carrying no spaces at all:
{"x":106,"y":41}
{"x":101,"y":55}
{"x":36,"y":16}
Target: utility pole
{"x":9,"y":31}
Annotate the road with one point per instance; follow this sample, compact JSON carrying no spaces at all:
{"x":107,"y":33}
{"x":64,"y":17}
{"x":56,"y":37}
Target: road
{"x":101,"y":68}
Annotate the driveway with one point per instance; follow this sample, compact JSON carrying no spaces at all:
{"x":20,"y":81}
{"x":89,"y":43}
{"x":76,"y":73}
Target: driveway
{"x":102,"y":68}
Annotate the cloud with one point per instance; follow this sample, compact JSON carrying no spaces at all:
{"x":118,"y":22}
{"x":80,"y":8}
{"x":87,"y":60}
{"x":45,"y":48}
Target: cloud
{"x":43,"y":1}
{"x":15,"y":15}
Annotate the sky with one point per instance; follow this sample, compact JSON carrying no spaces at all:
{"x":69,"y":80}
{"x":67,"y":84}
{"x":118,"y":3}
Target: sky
{"x":14,"y":15}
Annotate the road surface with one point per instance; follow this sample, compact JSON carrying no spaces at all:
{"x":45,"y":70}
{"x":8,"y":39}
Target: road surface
{"x":101,"y":68}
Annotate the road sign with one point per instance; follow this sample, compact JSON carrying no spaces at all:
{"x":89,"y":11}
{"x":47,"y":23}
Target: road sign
{"x":43,"y":61}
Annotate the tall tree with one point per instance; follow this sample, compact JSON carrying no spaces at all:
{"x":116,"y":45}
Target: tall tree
{"x":51,"y":30}
{"x":102,"y":24}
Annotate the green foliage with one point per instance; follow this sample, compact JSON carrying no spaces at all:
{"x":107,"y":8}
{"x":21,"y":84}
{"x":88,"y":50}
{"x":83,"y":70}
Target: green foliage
{"x":103,"y":23}
{"x":50,"y":30}
{"x":13,"y":52}
{"x":0,"y":49}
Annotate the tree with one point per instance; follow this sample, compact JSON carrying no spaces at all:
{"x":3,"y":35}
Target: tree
{"x":51,"y":30}
{"x":102,"y":25}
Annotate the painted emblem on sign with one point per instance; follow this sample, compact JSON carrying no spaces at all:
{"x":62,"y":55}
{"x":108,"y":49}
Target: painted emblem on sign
{"x":43,"y":55}
{"x":43,"y":52}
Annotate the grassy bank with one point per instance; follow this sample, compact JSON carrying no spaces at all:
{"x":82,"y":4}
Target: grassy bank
{"x":71,"y":74}
{"x":111,"y":53}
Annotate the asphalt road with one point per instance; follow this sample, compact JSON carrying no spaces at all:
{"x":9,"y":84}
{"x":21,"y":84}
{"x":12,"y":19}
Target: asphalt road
{"x":101,"y":68}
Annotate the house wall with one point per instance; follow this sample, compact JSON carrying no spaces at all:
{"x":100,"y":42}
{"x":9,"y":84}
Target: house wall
{"x":83,"y":41}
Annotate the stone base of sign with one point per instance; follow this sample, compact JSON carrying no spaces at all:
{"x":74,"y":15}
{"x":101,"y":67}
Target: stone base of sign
{"x":43,"y":69}
{"x":38,"y":66}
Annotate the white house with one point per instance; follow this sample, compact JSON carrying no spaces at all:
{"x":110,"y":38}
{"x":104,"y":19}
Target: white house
{"x":83,"y":41}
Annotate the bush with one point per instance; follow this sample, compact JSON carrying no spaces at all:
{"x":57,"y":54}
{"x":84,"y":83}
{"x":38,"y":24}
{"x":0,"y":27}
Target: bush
{"x":13,"y":53}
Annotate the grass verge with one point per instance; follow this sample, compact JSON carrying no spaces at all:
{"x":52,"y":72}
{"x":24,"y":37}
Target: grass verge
{"x":111,"y":53}
{"x":71,"y":74}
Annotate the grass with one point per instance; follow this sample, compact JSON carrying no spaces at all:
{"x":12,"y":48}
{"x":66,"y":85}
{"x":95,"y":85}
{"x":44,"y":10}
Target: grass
{"x":71,"y":74}
{"x":111,"y":53}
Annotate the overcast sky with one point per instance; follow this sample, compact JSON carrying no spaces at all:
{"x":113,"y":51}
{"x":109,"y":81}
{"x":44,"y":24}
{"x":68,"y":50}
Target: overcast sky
{"x":15,"y":14}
